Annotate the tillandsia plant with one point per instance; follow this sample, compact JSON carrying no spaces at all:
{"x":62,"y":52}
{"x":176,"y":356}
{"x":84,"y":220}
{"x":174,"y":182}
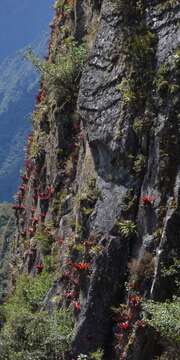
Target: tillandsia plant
{"x":127,"y":228}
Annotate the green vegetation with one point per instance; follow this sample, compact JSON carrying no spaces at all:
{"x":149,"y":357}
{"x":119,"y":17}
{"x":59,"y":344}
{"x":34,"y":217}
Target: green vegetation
{"x":161,"y":81}
{"x":126,"y":87}
{"x":164,"y":317}
{"x":172,"y":270}
{"x":28,"y":295}
{"x":97,"y":355}
{"x":36,"y":336}
{"x":165,"y":82}
{"x":29,"y":333}
{"x":58,"y":4}
{"x":142,"y":46}
{"x":7,"y":231}
{"x":127,"y":228}
{"x":139,"y":164}
{"x":63,"y":74}
{"x":167,"y":4}
{"x":139,"y":51}
{"x":45,"y":241}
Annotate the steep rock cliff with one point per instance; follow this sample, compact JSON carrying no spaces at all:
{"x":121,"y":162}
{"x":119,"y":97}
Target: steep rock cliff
{"x":100,"y":193}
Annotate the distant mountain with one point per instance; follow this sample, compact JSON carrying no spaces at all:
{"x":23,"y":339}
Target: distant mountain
{"x":22,"y":22}
{"x":18,"y":86}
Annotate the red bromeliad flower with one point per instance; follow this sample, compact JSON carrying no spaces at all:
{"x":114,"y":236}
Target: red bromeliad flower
{"x":77,"y":306}
{"x":147,"y":200}
{"x":124,"y":325}
{"x":39,"y":268}
{"x":82,"y":266}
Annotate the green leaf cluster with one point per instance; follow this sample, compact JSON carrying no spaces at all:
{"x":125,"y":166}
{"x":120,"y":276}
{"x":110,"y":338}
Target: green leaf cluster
{"x":63,"y":74}
{"x":127,"y":228}
{"x":164,"y":317}
{"x":37,"y":336}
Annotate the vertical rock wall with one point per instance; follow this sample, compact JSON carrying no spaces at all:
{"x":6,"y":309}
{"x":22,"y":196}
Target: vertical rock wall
{"x":102,"y":173}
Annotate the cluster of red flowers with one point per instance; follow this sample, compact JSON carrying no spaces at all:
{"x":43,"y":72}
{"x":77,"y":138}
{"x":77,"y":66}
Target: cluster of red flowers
{"x":77,"y":306}
{"x":124,"y":325}
{"x":148,"y":200}
{"x":41,"y":96}
{"x":39,"y":268}
{"x":81,"y":266}
{"x":127,"y":320}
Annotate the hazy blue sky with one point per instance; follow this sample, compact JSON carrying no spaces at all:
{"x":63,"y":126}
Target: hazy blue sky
{"x":21,"y":21}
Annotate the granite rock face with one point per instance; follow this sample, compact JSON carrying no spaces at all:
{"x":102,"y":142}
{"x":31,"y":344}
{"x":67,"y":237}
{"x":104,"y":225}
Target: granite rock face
{"x":106,"y":173}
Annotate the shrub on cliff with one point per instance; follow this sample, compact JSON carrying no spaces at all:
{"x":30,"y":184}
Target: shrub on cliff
{"x":29,"y":333}
{"x":36,"y":336}
{"x":28,"y":295}
{"x":62,"y":74}
{"x":164,"y":317}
